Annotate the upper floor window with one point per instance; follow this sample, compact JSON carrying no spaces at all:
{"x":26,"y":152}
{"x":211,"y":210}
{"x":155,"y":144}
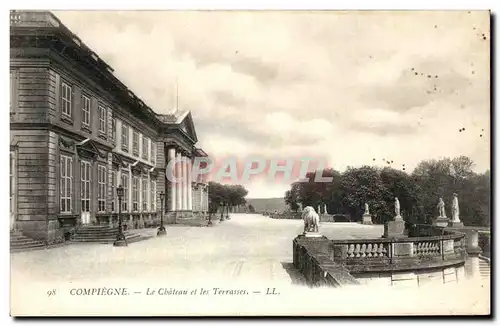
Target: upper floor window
{"x":153,"y":152}
{"x":135,"y":143}
{"x":145,"y":147}
{"x":85,"y":110}
{"x":102,"y":119}
{"x":124,"y":137}
{"x":66,"y":99}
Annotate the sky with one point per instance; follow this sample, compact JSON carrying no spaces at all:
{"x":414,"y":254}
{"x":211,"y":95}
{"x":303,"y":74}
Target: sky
{"x":352,"y":88}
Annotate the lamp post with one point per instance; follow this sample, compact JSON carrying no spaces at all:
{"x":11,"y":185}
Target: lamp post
{"x":120,"y":241}
{"x":222,"y":211}
{"x":161,"y":229}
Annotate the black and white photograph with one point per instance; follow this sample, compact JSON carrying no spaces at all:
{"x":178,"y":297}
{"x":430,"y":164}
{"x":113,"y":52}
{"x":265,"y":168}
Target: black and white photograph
{"x":232,"y":163}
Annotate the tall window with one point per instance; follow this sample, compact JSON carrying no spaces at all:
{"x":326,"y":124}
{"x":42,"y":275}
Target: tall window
{"x":153,"y":195}
{"x":66,"y":183}
{"x":101,"y":188}
{"x":145,"y":147}
{"x":135,"y":143}
{"x":144,"y":194}
{"x":124,"y":136}
{"x":85,"y":185}
{"x":124,"y":180}
{"x":113,"y":190}
{"x":85,"y":111}
{"x":102,"y":119}
{"x":153,"y":152}
{"x":13,"y":90}
{"x":135,"y":194}
{"x":66,"y":99}
{"x":12,"y":172}
{"x":113,"y":129}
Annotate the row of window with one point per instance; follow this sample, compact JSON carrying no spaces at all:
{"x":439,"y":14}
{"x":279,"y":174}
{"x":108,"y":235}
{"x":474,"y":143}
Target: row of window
{"x":139,"y":185}
{"x":66,"y":111}
{"x":135,"y":143}
{"x":67,"y":108}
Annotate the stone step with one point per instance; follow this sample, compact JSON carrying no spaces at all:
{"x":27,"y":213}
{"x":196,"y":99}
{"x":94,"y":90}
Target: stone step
{"x":133,"y":239}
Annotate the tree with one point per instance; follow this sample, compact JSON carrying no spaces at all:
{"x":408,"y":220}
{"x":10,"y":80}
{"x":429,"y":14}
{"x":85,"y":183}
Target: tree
{"x":251,"y":209}
{"x":292,"y":197}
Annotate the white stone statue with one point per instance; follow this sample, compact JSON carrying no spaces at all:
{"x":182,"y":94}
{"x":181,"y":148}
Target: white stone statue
{"x":441,"y":210}
{"x":325,"y":211}
{"x":455,"y":212}
{"x":319,"y":209}
{"x":311,"y":220}
{"x":367,"y":209}
{"x":397,"y":207}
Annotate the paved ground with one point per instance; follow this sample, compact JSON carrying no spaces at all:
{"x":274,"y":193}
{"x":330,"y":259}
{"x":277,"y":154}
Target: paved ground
{"x":246,"y":247}
{"x":247,"y":253}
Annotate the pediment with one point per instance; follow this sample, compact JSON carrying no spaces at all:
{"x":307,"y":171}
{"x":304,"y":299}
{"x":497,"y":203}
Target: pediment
{"x":186,"y":125}
{"x":89,"y":148}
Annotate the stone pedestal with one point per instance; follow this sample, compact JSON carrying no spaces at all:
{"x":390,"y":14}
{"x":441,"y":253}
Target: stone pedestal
{"x":455,"y":224}
{"x":312,"y":235}
{"x":367,"y":219}
{"x":394,"y":229}
{"x":441,"y":222}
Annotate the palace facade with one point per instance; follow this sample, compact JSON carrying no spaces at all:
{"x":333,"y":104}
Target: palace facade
{"x":77,"y":132}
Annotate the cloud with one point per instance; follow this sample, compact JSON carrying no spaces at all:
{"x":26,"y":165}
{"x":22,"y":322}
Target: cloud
{"x":333,"y":84}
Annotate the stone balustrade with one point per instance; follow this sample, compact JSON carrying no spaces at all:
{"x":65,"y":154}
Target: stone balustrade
{"x":336,"y":263}
{"x":363,"y":255}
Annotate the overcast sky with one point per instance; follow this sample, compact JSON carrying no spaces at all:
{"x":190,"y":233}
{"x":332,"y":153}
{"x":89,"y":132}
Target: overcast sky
{"x":345,"y":86}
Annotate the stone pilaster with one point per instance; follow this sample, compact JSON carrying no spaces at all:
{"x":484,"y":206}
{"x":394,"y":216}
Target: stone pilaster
{"x":184,"y":185}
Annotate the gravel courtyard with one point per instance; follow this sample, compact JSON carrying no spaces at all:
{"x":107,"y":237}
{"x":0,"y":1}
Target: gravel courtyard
{"x":251,"y":253}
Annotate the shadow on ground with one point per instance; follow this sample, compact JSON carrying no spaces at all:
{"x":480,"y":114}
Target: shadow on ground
{"x":295,"y":276}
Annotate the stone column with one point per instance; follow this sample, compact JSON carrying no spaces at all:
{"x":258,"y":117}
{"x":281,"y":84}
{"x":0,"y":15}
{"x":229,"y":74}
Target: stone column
{"x":202,"y":202}
{"x":184,"y":185}
{"x":172,"y":186}
{"x":189,"y":185}
{"x":178,"y":184}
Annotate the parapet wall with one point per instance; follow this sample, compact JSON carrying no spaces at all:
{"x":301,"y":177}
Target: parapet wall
{"x":414,"y":260}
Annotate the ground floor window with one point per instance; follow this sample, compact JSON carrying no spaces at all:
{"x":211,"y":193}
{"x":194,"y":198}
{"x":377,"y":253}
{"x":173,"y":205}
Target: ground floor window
{"x":113,"y":191}
{"x":144,"y":195}
{"x":13,"y":174}
{"x":153,"y":195}
{"x":135,"y":194}
{"x":124,"y":180}
{"x":85,"y":185}
{"x":66,"y":183}
{"x":101,"y":188}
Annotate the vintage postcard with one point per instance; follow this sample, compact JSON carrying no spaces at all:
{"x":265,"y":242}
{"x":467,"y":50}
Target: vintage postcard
{"x":250,"y":163}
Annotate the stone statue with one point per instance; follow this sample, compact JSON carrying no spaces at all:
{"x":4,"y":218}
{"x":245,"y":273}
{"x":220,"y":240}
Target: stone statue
{"x":367,"y":209}
{"x":311,"y":220}
{"x":397,"y":207}
{"x":441,"y":210}
{"x":325,"y":211}
{"x":319,"y":209}
{"x":455,"y":212}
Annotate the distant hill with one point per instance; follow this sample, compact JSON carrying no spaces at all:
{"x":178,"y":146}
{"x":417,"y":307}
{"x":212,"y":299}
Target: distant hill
{"x":267,"y":204}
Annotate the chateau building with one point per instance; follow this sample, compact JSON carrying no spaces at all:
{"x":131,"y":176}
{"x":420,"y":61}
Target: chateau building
{"x":77,"y":132}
